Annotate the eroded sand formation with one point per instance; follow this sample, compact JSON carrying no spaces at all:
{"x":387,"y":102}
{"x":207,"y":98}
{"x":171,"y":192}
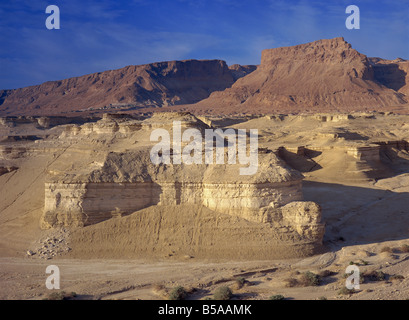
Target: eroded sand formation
{"x":332,"y":175}
{"x":124,"y":181}
{"x":97,"y":178}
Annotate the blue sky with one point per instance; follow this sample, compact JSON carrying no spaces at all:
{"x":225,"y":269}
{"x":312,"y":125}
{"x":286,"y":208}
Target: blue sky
{"x":107,"y":34}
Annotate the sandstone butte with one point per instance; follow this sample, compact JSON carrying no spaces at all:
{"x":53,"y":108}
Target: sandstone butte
{"x":97,"y":179}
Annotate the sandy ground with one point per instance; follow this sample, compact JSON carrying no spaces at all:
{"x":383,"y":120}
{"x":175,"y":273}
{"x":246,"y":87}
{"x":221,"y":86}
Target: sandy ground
{"x":24,"y":278}
{"x":367,"y":223}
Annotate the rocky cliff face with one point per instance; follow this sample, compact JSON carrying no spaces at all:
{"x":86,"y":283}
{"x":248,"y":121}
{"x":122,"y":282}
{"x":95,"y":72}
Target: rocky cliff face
{"x":239,"y":71}
{"x":127,"y":182}
{"x":393,"y":74}
{"x":133,"y":87}
{"x":324,"y":75}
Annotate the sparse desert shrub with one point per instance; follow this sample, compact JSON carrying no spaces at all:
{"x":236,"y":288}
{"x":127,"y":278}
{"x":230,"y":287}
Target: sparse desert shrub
{"x":291,"y":282}
{"x":61,"y":295}
{"x":396,"y":277}
{"x":360,"y":263}
{"x":380,"y":276}
{"x":386,"y":249}
{"x":309,"y":279}
{"x":374,"y":275}
{"x":177,"y":293}
{"x":277,"y":297}
{"x":239,"y":282}
{"x":326,"y":273}
{"x":361,"y":276}
{"x":305,"y":280}
{"x":322,"y":298}
{"x":222,"y":293}
{"x":345,"y":290}
{"x":404,"y":248}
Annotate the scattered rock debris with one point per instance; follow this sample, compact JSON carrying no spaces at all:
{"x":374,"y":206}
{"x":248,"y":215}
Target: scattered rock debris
{"x":54,"y":243}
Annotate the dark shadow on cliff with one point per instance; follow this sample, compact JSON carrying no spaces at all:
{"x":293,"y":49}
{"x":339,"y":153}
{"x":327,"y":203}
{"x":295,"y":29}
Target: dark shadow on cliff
{"x":390,"y":75}
{"x":359,"y":215}
{"x":302,"y":162}
{"x":396,"y":158}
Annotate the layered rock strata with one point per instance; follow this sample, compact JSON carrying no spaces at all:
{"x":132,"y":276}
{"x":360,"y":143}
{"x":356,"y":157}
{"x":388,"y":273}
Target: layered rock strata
{"x":124,"y":182}
{"x":101,"y":194}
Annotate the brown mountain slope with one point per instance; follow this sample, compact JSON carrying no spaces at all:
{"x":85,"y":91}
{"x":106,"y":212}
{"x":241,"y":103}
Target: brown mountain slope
{"x":152,"y":85}
{"x":325,"y":75}
{"x":393,"y":74}
{"x":321,"y":76}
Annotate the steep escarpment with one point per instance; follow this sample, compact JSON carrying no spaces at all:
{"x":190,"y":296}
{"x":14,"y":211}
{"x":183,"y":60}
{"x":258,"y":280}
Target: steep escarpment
{"x":393,"y":74}
{"x":238,"y":71}
{"x":127,"y":182}
{"x":325,"y":75}
{"x":132,"y":87}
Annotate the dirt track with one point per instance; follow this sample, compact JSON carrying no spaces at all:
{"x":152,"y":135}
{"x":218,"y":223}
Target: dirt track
{"x":24,"y":278}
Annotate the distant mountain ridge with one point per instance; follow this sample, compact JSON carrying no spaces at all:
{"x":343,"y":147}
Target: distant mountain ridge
{"x":132,"y":87}
{"x":320,"y":76}
{"x":325,"y":75}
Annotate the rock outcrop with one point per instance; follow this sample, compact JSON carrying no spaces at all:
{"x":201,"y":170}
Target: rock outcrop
{"x":325,"y":75}
{"x":130,"y":88}
{"x":128,"y":182}
{"x":393,"y":74}
{"x":123,"y":183}
{"x":305,"y":218}
{"x":238,"y":71}
{"x":177,"y":231}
